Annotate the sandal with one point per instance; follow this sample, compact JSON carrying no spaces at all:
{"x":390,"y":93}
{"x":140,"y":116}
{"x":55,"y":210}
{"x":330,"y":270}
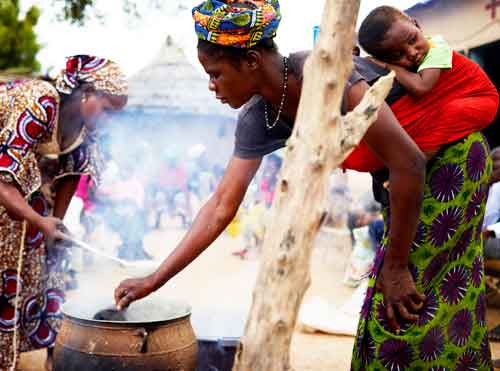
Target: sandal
{"x":494,"y":334}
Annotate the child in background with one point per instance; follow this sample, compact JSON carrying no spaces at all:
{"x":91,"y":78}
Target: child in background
{"x":367,"y":229}
{"x":398,"y":43}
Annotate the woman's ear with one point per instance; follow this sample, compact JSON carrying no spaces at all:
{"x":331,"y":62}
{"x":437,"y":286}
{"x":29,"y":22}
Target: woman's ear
{"x":253,"y":60}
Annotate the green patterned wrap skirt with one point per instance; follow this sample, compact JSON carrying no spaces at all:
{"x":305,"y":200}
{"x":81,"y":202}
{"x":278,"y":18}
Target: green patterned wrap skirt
{"x":446,"y":262}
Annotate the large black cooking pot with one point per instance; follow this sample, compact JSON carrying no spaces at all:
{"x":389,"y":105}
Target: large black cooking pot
{"x":152,"y":337}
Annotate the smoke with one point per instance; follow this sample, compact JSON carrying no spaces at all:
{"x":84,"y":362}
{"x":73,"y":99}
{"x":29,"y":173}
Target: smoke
{"x":157,"y":166}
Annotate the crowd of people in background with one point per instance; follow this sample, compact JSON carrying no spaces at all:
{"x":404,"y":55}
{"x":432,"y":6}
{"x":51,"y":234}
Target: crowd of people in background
{"x":130,"y":202}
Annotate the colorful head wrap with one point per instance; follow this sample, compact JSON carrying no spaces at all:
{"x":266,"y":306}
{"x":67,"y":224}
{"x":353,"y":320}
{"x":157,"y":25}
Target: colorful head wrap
{"x":103,"y":74}
{"x":223,"y":23}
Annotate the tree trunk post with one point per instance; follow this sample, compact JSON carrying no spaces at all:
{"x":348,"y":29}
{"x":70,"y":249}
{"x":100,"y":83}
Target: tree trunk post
{"x":322,"y":138}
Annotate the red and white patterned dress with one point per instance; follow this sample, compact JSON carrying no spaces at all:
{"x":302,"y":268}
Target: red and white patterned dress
{"x":28,"y":131}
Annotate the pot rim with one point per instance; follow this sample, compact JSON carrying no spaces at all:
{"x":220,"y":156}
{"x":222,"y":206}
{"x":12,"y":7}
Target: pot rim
{"x":66,"y":310}
{"x":100,"y":323}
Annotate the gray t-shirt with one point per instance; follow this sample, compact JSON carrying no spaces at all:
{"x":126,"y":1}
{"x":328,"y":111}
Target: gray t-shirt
{"x":254,"y":139}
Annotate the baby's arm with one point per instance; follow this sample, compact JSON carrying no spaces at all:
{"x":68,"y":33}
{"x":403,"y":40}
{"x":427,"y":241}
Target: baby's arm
{"x":419,"y":83}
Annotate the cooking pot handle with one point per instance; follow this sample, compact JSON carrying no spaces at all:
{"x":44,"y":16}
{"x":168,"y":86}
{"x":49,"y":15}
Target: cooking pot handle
{"x":144,"y":343}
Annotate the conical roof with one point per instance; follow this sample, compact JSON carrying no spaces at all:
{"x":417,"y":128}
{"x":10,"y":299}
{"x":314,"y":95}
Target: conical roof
{"x":171,"y":84}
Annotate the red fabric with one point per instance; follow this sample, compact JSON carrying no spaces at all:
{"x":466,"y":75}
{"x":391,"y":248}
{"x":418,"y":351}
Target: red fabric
{"x":462,"y":102}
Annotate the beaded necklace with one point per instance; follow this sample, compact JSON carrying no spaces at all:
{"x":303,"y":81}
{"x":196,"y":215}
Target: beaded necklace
{"x":283,"y":97}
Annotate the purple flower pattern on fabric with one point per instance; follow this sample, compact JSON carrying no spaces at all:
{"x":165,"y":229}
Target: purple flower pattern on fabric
{"x":366,"y":348}
{"x":460,"y":327}
{"x":433,"y":345}
{"x":481,"y":310}
{"x":454,"y":285}
{"x":377,"y":263}
{"x":468,"y":361}
{"x":446,"y":182}
{"x":419,"y":237}
{"x":476,"y":161}
{"x":429,"y":309}
{"x":434,"y":267}
{"x":479,"y":230}
{"x":462,"y":244}
{"x":485,"y":350}
{"x":474,"y":207}
{"x":477,"y":271}
{"x":395,"y":355}
{"x":445,"y":226}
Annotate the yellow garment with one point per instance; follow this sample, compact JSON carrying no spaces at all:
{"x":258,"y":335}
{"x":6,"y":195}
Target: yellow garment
{"x":253,"y":220}
{"x":234,"y":228}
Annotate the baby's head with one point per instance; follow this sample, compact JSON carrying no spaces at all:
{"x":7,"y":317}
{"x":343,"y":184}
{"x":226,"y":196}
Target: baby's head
{"x":392,"y":36}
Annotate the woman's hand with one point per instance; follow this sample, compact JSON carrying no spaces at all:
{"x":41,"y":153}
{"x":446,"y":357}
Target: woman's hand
{"x":131,"y":290}
{"x":51,"y":228}
{"x":401,"y":298}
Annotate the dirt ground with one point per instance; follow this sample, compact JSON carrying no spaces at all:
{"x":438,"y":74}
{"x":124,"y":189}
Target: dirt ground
{"x":220,"y":283}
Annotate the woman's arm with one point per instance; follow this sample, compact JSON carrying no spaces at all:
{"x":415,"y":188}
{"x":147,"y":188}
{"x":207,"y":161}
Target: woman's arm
{"x":406,"y":164}
{"x":210,"y":222}
{"x":18,"y":208}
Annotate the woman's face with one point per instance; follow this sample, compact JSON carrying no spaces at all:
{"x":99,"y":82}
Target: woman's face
{"x":232,"y":83}
{"x":405,"y":44}
{"x":95,"y":106}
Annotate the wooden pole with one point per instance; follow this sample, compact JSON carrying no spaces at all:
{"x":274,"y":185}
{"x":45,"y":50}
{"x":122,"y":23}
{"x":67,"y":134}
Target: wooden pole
{"x":322,"y":138}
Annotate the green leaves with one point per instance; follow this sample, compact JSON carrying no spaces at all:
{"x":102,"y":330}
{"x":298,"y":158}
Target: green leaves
{"x":80,"y":11}
{"x":18,"y":44}
{"x":75,"y":10}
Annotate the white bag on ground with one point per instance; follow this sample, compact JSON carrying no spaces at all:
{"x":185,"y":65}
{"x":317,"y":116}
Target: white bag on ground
{"x":316,"y":314}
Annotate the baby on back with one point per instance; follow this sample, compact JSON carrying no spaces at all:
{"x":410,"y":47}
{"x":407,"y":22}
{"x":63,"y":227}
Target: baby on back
{"x":396,"y":42}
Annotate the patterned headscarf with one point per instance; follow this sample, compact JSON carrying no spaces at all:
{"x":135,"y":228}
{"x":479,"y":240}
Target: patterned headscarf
{"x":223,"y":23}
{"x":103,"y":74}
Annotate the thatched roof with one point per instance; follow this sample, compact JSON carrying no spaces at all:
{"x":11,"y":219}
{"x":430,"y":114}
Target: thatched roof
{"x":170,"y":83}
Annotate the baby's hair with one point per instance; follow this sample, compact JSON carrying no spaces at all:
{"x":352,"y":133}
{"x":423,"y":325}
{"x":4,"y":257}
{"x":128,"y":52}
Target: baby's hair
{"x":375,"y":26}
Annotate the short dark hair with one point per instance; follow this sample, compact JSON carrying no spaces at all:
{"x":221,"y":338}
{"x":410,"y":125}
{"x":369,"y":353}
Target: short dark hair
{"x":375,"y":26}
{"x":233,"y":54}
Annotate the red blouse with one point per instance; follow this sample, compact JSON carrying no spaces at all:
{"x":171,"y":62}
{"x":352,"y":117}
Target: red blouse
{"x":463,"y":101}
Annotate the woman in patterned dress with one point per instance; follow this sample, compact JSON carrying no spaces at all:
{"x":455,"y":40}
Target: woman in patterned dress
{"x":41,"y":121}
